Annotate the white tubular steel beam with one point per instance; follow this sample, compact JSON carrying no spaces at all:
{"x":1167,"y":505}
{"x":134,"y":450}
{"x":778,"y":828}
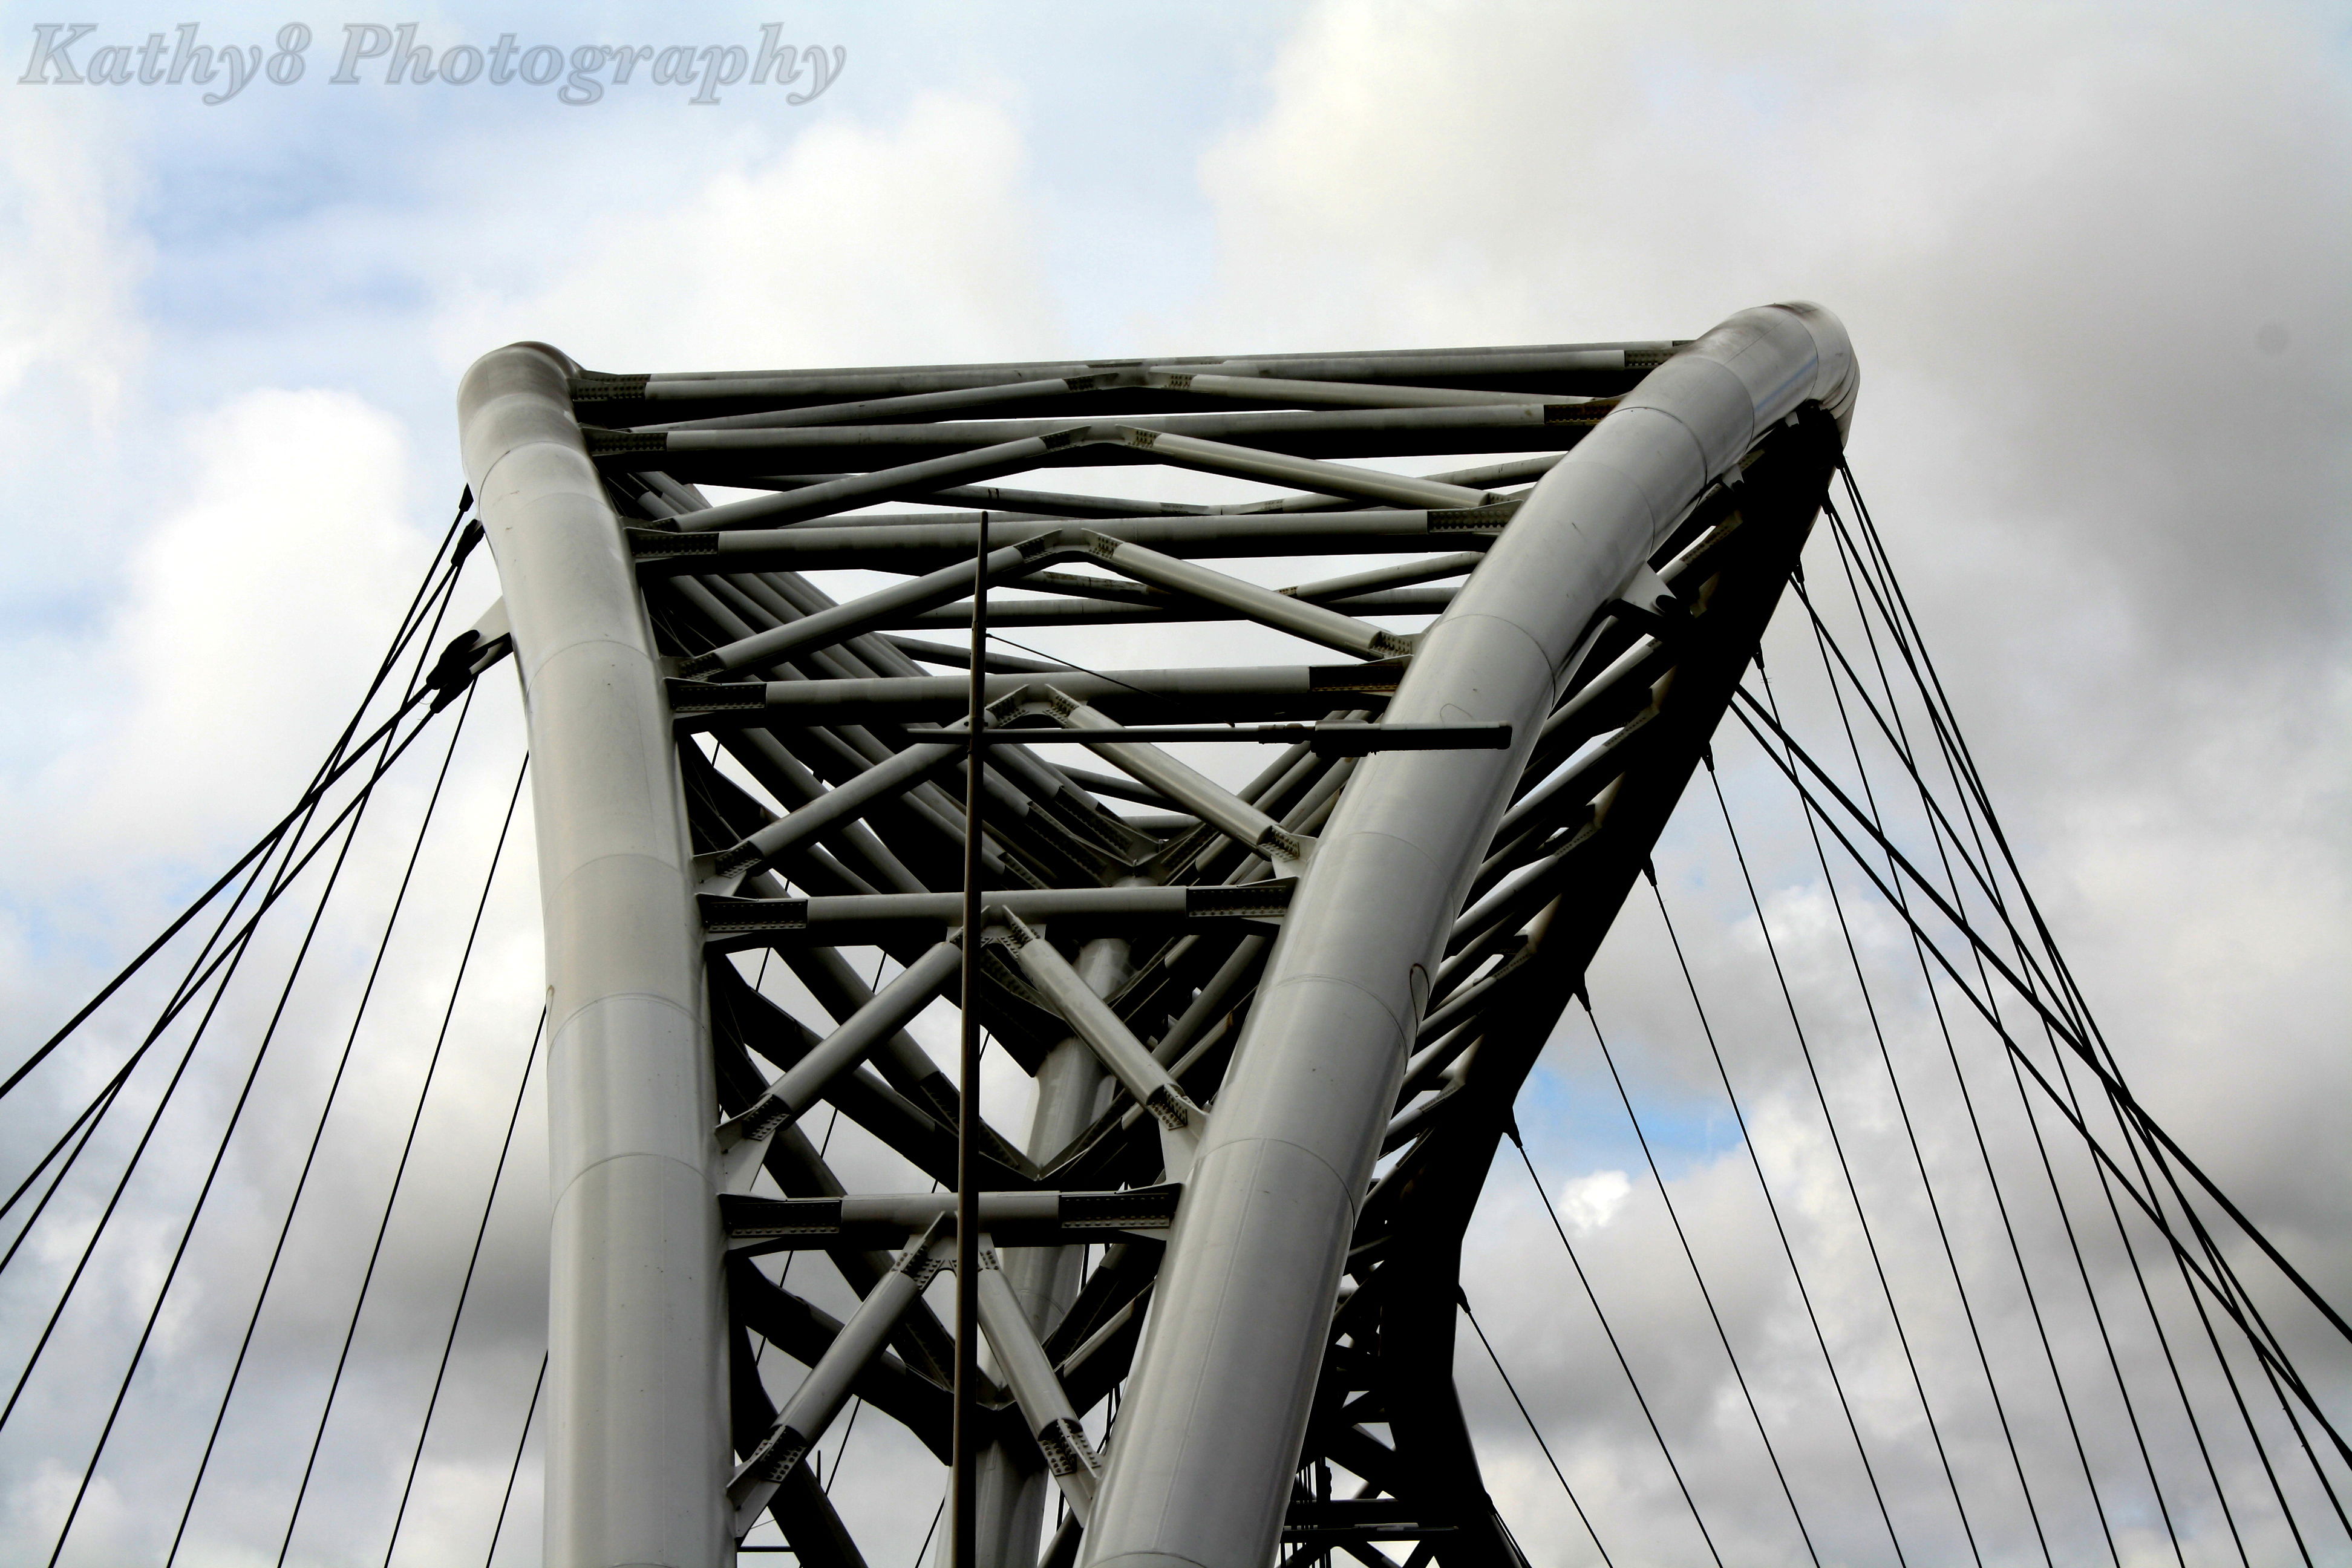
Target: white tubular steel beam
{"x":637,"y":1325}
{"x":843,"y":803}
{"x":1267,"y":605}
{"x":1216,"y":1407}
{"x":1146,"y":764}
{"x":825,"y":1389}
{"x":1035,"y":1388}
{"x":1043,"y":1280}
{"x":1339,"y":393}
{"x":1311,"y":474}
{"x":1129,"y":1058}
{"x":1106,"y":1034}
{"x":827,"y":628}
{"x":743,"y":1138}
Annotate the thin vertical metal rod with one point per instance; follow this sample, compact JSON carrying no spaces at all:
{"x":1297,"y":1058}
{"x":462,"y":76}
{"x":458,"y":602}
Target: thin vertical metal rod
{"x":964,"y":1531}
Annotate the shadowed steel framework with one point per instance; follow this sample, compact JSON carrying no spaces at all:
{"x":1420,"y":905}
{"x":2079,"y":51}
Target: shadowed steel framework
{"x":1235,"y":999}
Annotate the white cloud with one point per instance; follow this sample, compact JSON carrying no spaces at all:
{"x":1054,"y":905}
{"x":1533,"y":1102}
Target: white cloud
{"x":854,"y":244}
{"x":1590,"y":1203}
{"x":251,"y":615}
{"x":71,"y":257}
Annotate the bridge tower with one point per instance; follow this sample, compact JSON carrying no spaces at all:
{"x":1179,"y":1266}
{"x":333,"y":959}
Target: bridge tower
{"x":1277,"y":1011}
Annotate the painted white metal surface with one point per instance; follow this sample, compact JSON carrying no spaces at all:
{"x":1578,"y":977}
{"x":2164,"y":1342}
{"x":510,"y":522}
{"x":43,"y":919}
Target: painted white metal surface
{"x":1216,"y":1408}
{"x":637,"y":1451}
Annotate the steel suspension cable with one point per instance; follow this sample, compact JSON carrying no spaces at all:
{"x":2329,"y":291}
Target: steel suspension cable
{"x":85,"y":1120}
{"x":1975,"y":803}
{"x":2099,"y":1315}
{"x":225,"y":966}
{"x":2084,"y":1026}
{"x":1533,"y":1430}
{"x":785,"y":1273}
{"x":2120,"y":1097}
{"x":1939,"y":824}
{"x":2120,"y":1100}
{"x":2147,"y":1293}
{"x":202,"y":970}
{"x":2131,"y":1410}
{"x":1871,"y":822}
{"x":204,"y":1192}
{"x":199,"y":970}
{"x":1845,"y":1167}
{"x":858,"y":1402}
{"x":318,"y":1133}
{"x":515,"y":1469}
{"x":1948,"y":733}
{"x":1946,"y":730}
{"x":2090,"y":1054}
{"x":1780,"y":1228}
{"x":934,"y":1530}
{"x":1740,"y":1376}
{"x":2230,"y":1293}
{"x":87,"y":1125}
{"x":2038,"y":965}
{"x":1904,"y":630}
{"x":205,"y":963}
{"x":1665,"y":1451}
{"x":1919,"y":1159}
{"x":225,"y":963}
{"x":2219,"y":1263}
{"x":2238,"y":1398}
{"x":465,"y":1289}
{"x":842,"y":1447}
{"x":1976,"y":808}
{"x":327,"y":778}
{"x":2146,"y":1204}
{"x":400,"y":1171}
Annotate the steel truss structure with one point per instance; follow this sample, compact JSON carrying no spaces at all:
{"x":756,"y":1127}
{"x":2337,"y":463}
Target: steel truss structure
{"x":1273,"y":1020}
{"x":1235,"y":1001}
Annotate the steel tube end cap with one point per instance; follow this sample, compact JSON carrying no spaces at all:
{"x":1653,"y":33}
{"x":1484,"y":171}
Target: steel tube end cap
{"x":1838,"y":380}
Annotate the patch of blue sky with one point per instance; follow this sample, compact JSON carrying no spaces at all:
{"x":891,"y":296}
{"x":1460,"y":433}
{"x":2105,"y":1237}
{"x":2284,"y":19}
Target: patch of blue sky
{"x":294,"y":215}
{"x":218,"y":302}
{"x":1131,"y":233}
{"x":1574,"y":1122}
{"x":69,"y":953}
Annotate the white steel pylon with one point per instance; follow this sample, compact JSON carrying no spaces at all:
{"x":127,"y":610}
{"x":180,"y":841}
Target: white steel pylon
{"x":1234,"y":999}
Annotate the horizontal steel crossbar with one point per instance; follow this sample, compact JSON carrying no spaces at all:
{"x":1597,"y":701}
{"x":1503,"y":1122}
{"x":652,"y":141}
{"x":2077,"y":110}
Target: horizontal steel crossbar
{"x":734,"y":922}
{"x":916,"y":546}
{"x":1330,"y":738}
{"x":1270,"y":692}
{"x":1039,"y":1218}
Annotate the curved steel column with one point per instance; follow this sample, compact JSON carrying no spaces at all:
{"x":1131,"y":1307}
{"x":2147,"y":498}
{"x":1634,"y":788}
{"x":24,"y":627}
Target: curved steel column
{"x":637,"y":1453}
{"x":1209,"y":1432}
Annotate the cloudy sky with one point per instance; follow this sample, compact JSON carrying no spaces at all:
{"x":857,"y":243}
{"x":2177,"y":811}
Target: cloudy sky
{"x":2093,"y":260}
